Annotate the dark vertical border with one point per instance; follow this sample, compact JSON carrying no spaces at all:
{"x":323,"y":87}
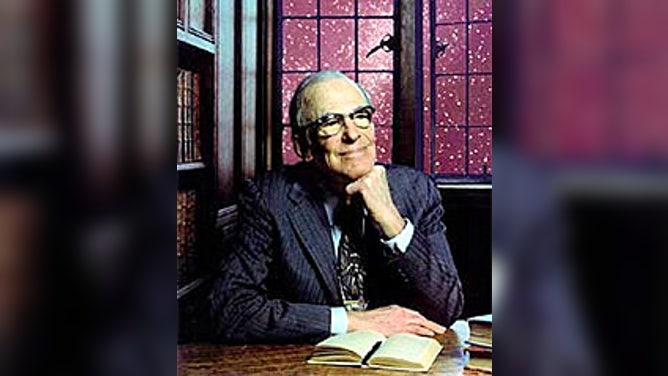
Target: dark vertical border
{"x":419,"y":90}
{"x":432,"y":84}
{"x":277,"y":75}
{"x":466,"y":120}
{"x":406,"y":119}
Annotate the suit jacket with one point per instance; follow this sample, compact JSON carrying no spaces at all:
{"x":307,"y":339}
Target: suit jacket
{"x":278,"y":282}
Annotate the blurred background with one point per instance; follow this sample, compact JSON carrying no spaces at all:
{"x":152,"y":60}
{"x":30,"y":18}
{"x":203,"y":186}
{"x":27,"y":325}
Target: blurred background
{"x":578,"y":228}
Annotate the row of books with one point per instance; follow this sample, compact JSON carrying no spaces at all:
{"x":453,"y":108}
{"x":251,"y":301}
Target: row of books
{"x":186,"y":234}
{"x":188,"y":116}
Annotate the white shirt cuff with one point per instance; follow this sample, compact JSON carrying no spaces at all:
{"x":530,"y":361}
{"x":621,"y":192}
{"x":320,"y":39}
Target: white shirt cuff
{"x":402,"y":239}
{"x":339,"y":320}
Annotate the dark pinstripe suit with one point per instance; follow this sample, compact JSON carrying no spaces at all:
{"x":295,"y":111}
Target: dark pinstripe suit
{"x":279,"y":281}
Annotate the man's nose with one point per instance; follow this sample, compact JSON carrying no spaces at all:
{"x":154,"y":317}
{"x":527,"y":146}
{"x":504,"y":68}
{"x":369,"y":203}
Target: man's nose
{"x":350,"y":130}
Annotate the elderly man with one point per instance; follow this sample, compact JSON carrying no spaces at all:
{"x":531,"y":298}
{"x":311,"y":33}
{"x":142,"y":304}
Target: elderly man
{"x":336,"y":243}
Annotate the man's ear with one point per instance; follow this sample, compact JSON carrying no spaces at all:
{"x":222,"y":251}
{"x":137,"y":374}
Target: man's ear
{"x":298,"y":145}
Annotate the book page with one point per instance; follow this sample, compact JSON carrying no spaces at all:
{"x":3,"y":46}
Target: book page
{"x":359,"y":342}
{"x":406,"y":351}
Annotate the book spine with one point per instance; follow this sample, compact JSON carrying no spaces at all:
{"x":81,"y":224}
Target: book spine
{"x":180,"y":239}
{"x":188,"y":118}
{"x":179,"y":115}
{"x":186,"y":235}
{"x":196,"y":118}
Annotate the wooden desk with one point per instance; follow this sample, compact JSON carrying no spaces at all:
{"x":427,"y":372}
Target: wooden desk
{"x":210,"y":359}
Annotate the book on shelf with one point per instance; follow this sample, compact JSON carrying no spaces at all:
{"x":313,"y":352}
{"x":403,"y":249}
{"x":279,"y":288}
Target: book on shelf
{"x":180,"y":82}
{"x":186,"y":234}
{"x":368,"y":348}
{"x":188,"y":116}
{"x":195,"y":106}
{"x":481,"y":330}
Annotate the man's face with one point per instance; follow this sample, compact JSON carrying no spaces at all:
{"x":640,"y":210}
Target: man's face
{"x":352,"y":152}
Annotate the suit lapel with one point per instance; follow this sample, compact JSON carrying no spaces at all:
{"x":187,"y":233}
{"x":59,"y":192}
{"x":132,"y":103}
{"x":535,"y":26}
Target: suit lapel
{"x":309,"y":221}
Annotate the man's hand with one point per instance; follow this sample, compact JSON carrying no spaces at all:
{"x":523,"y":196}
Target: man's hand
{"x":376,"y":194}
{"x":393,"y":319}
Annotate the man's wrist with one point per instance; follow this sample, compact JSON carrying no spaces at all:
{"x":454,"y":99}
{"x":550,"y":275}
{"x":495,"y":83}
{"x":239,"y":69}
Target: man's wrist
{"x":402,"y":239}
{"x":339,"y":320}
{"x":393,"y":227}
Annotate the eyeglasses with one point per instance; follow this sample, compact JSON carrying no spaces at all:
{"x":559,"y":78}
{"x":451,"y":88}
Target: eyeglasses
{"x":331,"y":124}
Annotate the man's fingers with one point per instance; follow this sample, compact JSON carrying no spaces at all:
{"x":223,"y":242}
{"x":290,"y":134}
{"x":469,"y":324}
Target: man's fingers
{"x":354,"y":187}
{"x":434,"y":326}
{"x":421,"y":330}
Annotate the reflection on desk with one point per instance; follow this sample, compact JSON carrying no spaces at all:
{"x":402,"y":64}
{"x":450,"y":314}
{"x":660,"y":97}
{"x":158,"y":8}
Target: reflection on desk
{"x":210,"y":359}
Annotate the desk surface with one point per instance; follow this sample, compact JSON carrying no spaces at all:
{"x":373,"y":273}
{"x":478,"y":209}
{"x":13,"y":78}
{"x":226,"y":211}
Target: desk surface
{"x":209,"y":359}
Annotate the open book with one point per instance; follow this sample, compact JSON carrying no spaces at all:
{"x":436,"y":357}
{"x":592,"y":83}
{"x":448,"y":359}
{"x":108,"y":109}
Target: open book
{"x":367,"y":348}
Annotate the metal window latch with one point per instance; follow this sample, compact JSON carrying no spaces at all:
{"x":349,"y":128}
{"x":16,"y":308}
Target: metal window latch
{"x":439,"y":49}
{"x":387,"y":44}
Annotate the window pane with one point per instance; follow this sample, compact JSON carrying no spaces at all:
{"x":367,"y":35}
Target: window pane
{"x":337,"y":8}
{"x":371,"y":31}
{"x":453,"y":59}
{"x":289,"y":156}
{"x":289,"y":83}
{"x":380,"y":86}
{"x":299,"y":7}
{"x":480,"y":151}
{"x":337,"y":44}
{"x":384,"y":144}
{"x":450,"y":100}
{"x":480,"y":100}
{"x":375,"y":7}
{"x":480,"y":48}
{"x":480,"y":10}
{"x":450,"y":11}
{"x":449,"y":156}
{"x":299,"y":45}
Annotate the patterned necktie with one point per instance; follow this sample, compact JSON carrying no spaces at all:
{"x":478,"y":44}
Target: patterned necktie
{"x":351,"y":256}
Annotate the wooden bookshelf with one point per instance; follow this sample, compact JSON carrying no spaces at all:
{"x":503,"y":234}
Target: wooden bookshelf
{"x":218,"y":42}
{"x":195,"y":129}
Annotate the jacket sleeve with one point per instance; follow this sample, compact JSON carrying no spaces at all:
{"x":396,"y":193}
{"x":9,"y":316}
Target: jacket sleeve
{"x":426,"y":271}
{"x":242,"y":310}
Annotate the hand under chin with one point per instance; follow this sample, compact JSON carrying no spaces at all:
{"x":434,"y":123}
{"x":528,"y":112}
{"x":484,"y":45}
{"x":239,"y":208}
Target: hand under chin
{"x":358,"y":171}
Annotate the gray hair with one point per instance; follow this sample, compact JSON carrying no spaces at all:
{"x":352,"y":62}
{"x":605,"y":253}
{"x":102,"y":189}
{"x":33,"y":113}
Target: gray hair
{"x":303,"y":142}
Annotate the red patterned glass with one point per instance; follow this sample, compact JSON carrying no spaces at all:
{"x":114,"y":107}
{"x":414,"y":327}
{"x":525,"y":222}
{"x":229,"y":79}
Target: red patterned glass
{"x":289,"y":156}
{"x":450,"y":153}
{"x":375,"y":7}
{"x":480,"y":48}
{"x":383,"y":144}
{"x":450,"y":11}
{"x":450,"y":100}
{"x":480,"y":151}
{"x":380,"y":89}
{"x":371,"y":32}
{"x":289,"y":83}
{"x":337,"y":44}
{"x":379,"y":86}
{"x":453,"y":58}
{"x":299,"y":7}
{"x":480,"y":100}
{"x":480,"y":10}
{"x":337,"y":8}
{"x":299,"y":45}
